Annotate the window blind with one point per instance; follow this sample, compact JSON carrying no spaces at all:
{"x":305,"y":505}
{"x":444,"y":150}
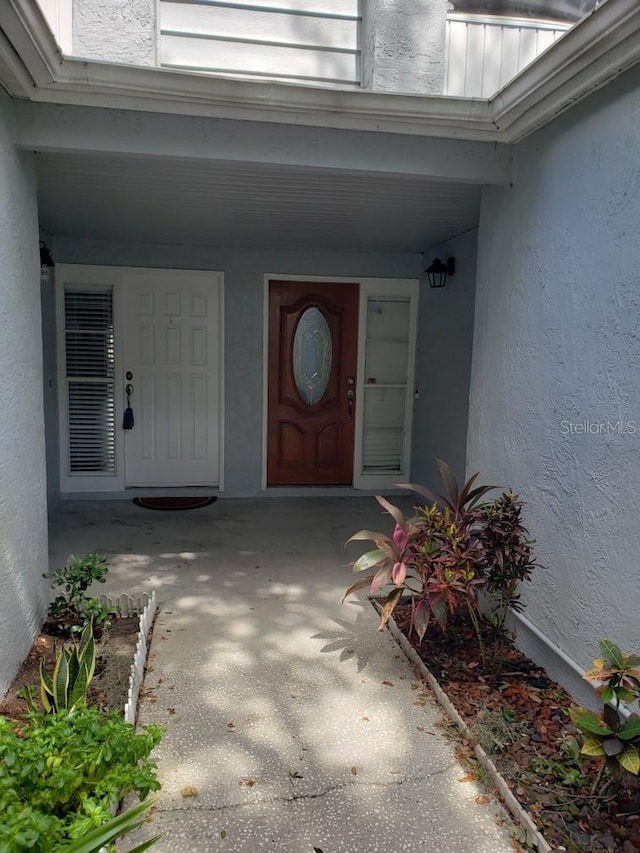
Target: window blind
{"x":89,"y":371}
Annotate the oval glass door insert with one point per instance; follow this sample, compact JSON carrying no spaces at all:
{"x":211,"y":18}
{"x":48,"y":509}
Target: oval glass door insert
{"x":312,"y":356}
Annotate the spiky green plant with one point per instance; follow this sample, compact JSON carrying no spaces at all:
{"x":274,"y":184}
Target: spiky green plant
{"x":72,"y":673}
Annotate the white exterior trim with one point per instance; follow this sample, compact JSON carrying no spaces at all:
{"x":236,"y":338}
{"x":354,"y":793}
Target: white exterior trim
{"x":386,"y":287}
{"x":113,"y":276}
{"x":507,"y":21}
{"x":602,"y":46}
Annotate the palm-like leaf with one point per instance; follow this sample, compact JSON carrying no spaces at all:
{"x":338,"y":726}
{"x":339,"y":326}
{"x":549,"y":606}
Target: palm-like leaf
{"x":388,"y":607}
{"x":113,"y":829}
{"x":371,"y":535}
{"x":394,"y":511}
{"x":359,"y":584}
{"x":370,"y":559}
{"x":454,"y":497}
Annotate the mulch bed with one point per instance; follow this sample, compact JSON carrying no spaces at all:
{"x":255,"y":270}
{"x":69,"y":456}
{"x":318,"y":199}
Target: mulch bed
{"x":520,"y":718}
{"x":114,"y":655}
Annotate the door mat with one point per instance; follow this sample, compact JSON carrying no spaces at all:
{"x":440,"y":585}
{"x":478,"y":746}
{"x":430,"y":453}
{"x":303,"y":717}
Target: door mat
{"x":174,"y":503}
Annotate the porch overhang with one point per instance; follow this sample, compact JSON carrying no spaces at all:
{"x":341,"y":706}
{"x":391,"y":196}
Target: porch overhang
{"x":115,"y":174}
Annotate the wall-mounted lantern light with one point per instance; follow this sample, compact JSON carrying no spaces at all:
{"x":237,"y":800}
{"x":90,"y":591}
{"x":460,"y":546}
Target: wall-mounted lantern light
{"x":439,"y":271}
{"x":46,"y":261}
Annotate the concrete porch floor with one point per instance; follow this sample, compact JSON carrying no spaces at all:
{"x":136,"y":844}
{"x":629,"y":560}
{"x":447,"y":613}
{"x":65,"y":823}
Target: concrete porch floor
{"x":297,"y":722}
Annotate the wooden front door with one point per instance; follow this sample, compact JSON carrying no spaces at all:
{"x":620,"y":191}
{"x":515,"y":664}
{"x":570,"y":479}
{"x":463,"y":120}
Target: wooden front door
{"x":312,"y":372}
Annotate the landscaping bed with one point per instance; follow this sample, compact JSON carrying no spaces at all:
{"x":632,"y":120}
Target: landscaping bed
{"x":520,"y":718}
{"x":115,"y":651}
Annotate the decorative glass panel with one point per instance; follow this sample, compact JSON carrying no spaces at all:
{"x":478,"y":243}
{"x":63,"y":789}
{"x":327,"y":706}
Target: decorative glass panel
{"x":312,"y":356}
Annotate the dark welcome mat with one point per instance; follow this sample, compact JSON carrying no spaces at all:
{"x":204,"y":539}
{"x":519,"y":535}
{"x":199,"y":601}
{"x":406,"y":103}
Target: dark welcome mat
{"x":174,"y":503}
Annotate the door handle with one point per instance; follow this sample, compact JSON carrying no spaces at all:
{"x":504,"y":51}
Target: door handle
{"x":127,"y":418}
{"x":350,"y":395}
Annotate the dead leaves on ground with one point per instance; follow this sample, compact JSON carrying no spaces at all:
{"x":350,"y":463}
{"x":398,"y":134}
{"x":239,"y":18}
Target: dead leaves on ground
{"x":189,"y":791}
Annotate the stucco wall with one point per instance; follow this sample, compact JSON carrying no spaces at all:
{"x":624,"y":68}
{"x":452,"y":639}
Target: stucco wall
{"x":555,"y":389}
{"x":23,"y":519}
{"x":116,"y":30}
{"x":244,"y":282}
{"x":403,"y":45}
{"x":443,"y":363}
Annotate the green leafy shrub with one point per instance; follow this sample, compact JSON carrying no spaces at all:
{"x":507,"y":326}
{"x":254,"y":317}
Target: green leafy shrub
{"x":606,"y":736}
{"x":72,"y":610}
{"x":453,"y":547}
{"x":60,"y":773}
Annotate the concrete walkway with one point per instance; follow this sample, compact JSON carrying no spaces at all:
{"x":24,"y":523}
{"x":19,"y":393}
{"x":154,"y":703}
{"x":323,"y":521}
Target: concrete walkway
{"x":295,"y":722}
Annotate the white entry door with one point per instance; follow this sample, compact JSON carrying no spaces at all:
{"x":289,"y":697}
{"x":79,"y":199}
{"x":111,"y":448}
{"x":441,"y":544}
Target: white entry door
{"x":171,"y":363}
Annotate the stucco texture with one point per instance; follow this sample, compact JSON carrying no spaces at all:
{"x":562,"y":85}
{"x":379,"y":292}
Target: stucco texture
{"x":555,"y":388}
{"x":403,"y":46}
{"x":116,"y":30}
{"x":443,"y":363}
{"x":23,"y":518}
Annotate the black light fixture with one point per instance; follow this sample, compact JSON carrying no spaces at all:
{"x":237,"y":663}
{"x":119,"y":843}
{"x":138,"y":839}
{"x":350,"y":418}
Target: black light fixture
{"x":439,"y":271}
{"x":46,"y":261}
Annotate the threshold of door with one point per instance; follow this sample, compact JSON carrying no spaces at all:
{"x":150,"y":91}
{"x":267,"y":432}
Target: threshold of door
{"x":326,"y":492}
{"x":143,"y":492}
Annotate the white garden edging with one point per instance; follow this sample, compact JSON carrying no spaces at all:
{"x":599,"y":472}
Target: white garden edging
{"x":126,"y":607}
{"x":520,"y":814}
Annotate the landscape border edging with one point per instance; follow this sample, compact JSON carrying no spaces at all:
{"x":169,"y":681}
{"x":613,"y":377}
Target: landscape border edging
{"x":520,"y":814}
{"x":126,"y":607}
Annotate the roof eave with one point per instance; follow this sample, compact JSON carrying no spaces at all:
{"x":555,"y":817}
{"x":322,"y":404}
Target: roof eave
{"x":603,"y":45}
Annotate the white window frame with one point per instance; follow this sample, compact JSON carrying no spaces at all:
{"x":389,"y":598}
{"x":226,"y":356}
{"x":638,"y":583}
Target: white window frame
{"x":98,"y":278}
{"x":385,"y":287}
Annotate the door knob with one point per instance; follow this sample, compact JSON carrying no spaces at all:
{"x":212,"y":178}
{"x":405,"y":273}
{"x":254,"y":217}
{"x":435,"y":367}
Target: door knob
{"x":350,"y":395}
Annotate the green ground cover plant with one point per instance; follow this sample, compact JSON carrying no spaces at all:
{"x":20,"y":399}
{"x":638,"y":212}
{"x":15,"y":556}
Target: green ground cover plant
{"x":62,"y":772}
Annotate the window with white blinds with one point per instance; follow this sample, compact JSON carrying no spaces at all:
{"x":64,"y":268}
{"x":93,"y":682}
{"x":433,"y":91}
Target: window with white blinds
{"x":386,"y":370}
{"x":89,"y":375}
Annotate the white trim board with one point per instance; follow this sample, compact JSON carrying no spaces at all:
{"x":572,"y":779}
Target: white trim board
{"x":599,"y":48}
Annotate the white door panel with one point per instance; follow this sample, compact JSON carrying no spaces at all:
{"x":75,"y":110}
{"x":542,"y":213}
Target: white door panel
{"x":172,"y":350}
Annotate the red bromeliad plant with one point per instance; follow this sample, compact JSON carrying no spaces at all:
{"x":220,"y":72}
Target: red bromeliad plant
{"x":441,"y":557}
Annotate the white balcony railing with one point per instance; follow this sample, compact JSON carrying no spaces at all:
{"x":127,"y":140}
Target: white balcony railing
{"x":484,"y":53}
{"x":310,"y":41}
{"x":59,"y":14}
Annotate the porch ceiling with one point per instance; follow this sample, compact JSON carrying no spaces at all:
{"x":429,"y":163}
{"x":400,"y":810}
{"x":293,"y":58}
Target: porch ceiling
{"x":249,"y":205}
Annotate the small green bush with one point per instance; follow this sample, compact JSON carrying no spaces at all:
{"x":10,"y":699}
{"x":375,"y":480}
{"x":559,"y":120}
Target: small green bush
{"x":61,"y":772}
{"x":72,"y":609}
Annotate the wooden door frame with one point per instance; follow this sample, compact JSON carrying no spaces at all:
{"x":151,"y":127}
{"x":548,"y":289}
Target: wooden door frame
{"x":366,"y":285}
